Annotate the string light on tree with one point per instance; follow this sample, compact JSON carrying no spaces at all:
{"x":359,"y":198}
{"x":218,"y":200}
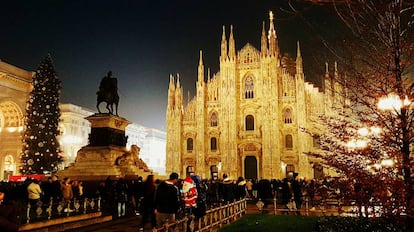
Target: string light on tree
{"x":41,"y":152}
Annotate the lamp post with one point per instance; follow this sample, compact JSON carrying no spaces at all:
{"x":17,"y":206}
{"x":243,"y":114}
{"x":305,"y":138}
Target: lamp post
{"x":400,"y":109}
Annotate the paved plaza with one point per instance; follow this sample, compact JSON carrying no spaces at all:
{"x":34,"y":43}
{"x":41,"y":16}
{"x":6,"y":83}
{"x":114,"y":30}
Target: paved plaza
{"x":127,"y":224}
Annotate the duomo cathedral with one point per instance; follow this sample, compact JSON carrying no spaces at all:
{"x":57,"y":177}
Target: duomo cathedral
{"x":247,"y":119}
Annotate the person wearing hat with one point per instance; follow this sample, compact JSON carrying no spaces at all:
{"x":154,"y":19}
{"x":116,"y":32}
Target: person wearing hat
{"x":189,"y":196}
{"x":167,"y":201}
{"x":9,"y":221}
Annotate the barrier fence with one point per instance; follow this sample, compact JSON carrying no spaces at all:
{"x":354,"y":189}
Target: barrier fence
{"x":321,"y":207}
{"x":214,"y":218}
{"x":46,"y":211}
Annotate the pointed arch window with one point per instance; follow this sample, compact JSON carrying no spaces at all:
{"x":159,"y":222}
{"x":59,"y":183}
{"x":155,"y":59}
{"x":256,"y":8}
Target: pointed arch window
{"x":287,"y":116}
{"x":189,"y":144}
{"x":289,"y":142}
{"x":249,"y":122}
{"x":248,"y":87}
{"x":213,"y":144}
{"x":213,"y":119}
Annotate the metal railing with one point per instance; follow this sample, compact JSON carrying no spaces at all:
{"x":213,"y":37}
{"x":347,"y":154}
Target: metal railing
{"x":322,"y":207}
{"x":49,"y":210}
{"x":214,"y":218}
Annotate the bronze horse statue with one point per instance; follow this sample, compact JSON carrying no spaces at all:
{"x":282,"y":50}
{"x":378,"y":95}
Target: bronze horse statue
{"x":108,"y":92}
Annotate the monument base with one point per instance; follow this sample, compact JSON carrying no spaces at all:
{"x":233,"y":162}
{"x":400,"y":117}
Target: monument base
{"x":102,"y":157}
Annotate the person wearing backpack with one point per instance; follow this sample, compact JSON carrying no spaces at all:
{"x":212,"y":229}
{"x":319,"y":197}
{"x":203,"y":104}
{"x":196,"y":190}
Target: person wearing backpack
{"x":202,"y":188}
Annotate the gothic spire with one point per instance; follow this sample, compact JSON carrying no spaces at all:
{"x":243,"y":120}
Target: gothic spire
{"x":336,"y":69}
{"x":178,"y":94}
{"x":201,"y":68}
{"x":273,"y":47}
{"x":171,"y":94}
{"x":327,"y":81}
{"x":263,"y":41}
{"x":232,"y":46}
{"x":299,"y":65}
{"x":223,"y":45}
{"x":178,"y":82}
{"x":172,"y":86}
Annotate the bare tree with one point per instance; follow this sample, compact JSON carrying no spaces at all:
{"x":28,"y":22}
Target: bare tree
{"x":375,"y":91}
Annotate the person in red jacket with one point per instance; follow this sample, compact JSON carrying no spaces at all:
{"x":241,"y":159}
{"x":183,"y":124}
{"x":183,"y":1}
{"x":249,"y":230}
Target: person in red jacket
{"x":189,"y":196}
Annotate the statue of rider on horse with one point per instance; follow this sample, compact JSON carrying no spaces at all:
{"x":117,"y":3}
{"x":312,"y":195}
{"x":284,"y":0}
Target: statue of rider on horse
{"x":108,"y":92}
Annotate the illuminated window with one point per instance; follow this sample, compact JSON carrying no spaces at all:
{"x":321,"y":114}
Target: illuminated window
{"x":213,"y":144}
{"x":289,"y":142}
{"x":248,"y":87}
{"x":213,"y":119}
{"x":189,"y":145}
{"x":249,"y":122}
{"x":287,"y":116}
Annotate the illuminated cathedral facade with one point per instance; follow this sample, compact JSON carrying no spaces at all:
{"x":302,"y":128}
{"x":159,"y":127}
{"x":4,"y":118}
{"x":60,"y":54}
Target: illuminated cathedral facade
{"x":248,"y":119}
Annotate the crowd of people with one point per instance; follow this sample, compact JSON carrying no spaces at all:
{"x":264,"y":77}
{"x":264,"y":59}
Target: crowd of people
{"x":159,"y":202}
{"x":15,"y":197}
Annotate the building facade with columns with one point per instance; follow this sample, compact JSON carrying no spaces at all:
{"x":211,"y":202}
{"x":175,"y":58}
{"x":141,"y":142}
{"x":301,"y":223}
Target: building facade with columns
{"x":75,"y":130}
{"x":247,"y":119}
{"x":15,"y":86}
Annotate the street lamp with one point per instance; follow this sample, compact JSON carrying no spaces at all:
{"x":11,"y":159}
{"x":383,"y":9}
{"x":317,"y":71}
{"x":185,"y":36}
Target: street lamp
{"x":393,"y":102}
{"x":357,"y":144}
{"x":401,"y":109}
{"x":387,"y":163}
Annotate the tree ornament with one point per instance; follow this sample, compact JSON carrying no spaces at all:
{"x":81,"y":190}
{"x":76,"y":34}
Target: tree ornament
{"x":42,"y":117}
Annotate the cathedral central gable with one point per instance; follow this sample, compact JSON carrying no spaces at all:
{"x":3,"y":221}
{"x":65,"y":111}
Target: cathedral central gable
{"x":249,"y":54}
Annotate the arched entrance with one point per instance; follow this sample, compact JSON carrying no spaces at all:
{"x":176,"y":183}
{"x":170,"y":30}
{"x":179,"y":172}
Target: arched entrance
{"x":11,"y":127}
{"x":15,"y":86}
{"x":250,"y":167}
{"x":9,"y":167}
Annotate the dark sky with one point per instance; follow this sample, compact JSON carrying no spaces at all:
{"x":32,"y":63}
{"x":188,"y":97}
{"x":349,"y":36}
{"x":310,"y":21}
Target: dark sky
{"x":143,"y":41}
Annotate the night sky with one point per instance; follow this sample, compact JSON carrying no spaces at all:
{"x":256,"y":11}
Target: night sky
{"x":143,"y":42}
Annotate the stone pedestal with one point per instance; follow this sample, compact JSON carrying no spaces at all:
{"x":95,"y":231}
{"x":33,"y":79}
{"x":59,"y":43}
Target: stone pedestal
{"x":106,"y":153}
{"x":107,"y":129}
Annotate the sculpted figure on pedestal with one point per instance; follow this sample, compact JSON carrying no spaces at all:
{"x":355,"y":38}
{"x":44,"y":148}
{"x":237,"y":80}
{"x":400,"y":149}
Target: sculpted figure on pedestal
{"x":108,"y":92}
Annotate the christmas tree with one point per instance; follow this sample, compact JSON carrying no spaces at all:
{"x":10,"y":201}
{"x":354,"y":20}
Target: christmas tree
{"x":41,"y":153}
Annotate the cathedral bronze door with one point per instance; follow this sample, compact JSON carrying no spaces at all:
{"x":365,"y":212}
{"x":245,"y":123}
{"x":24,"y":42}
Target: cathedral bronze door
{"x":250,"y":167}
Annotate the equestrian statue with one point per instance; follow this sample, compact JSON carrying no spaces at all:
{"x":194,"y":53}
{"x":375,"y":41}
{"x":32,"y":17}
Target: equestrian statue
{"x":108,"y":92}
